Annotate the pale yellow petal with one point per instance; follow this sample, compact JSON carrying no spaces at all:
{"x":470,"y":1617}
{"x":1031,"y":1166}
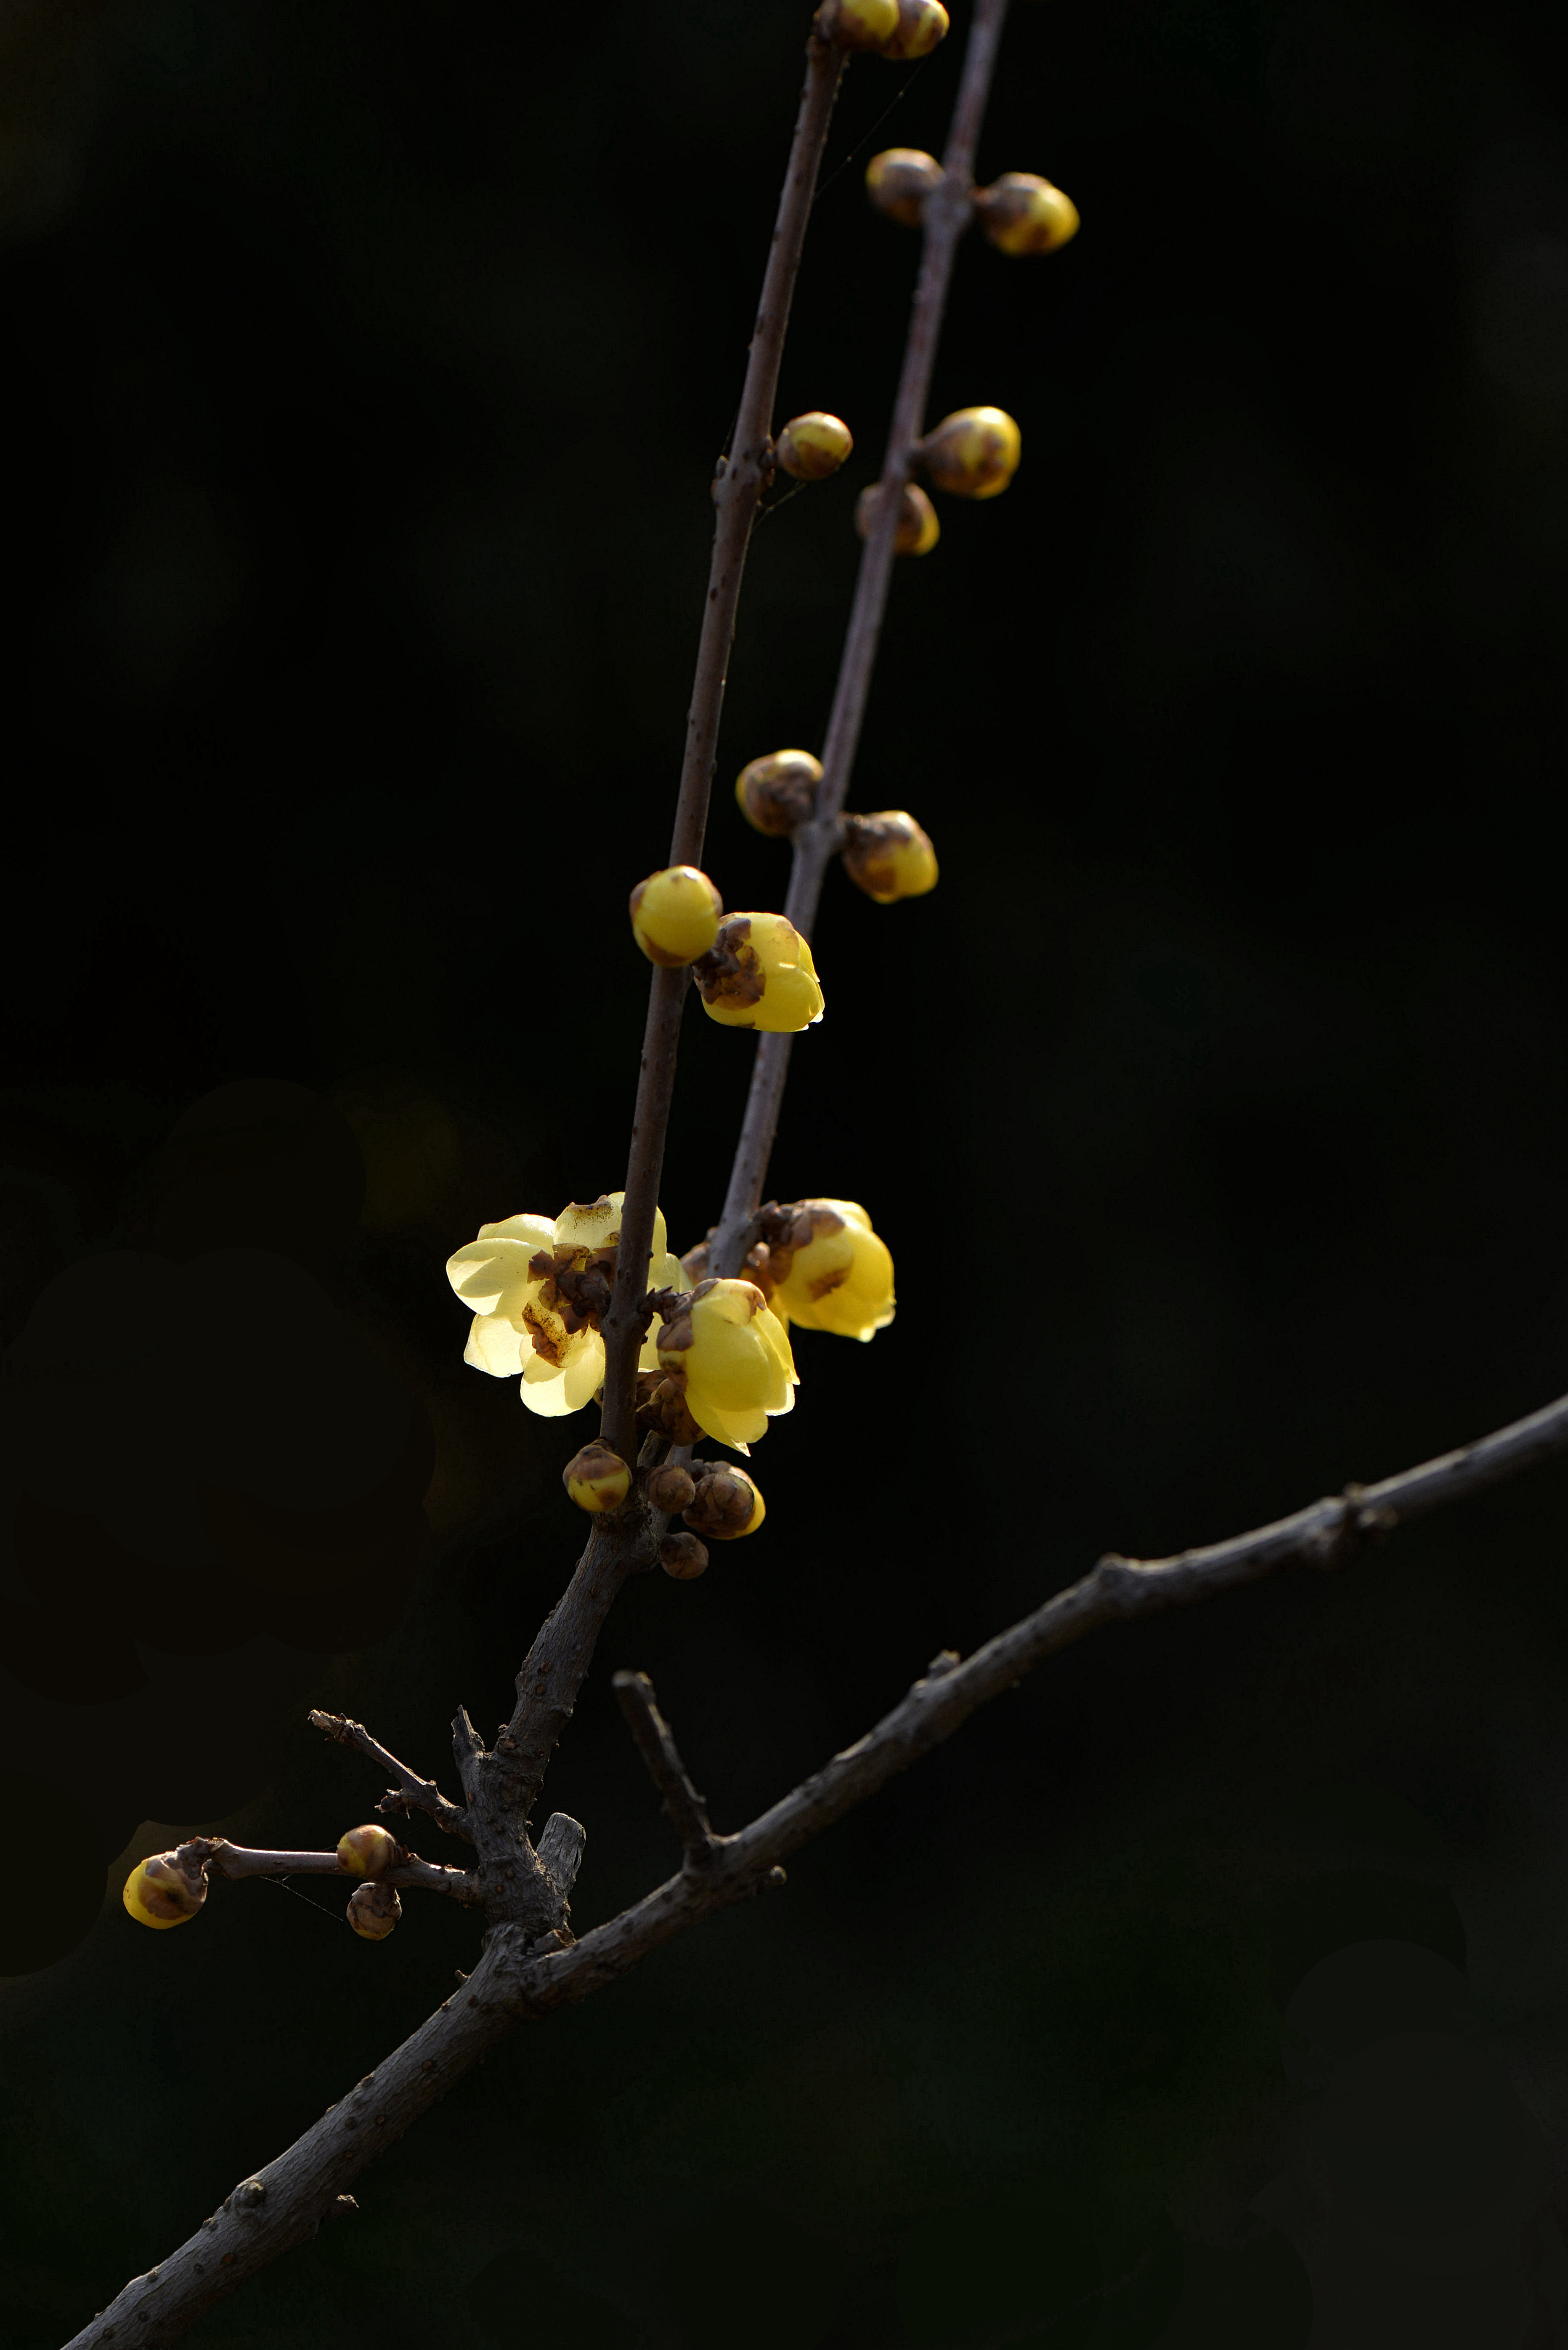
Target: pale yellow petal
{"x":584,"y":1372}
{"x":495,"y":1345}
{"x":539,"y":1231}
{"x":492,"y":1275}
{"x":543,"y":1388}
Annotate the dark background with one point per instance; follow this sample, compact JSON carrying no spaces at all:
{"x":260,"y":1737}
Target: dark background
{"x":364,"y":371}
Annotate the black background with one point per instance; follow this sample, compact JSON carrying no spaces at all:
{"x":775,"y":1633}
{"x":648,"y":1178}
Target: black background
{"x":365,"y":368}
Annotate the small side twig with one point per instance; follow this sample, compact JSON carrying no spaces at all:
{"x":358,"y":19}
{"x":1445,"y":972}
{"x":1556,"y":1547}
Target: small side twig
{"x":226,"y":1859}
{"x":655,"y":1744}
{"x":412,"y":1793}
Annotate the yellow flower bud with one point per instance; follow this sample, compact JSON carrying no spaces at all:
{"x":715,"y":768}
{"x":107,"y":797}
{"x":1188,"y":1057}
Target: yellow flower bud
{"x":814,"y":445}
{"x":670,"y":1488}
{"x":369,"y":1851}
{"x":162,"y":1892}
{"x":596,"y":1478}
{"x":729,"y":1356}
{"x":858,"y":24}
{"x":973,"y":454}
{"x":922,"y":25}
{"x":1021,"y":213}
{"x":683,"y":1556}
{"x":831,"y":1271}
{"x":374,"y":1910}
{"x":759,"y":975}
{"x":919,"y":529}
{"x":727,"y":1505}
{"x":674,"y":915}
{"x":899,"y":179}
{"x":777,"y":794}
{"x":888,"y":856}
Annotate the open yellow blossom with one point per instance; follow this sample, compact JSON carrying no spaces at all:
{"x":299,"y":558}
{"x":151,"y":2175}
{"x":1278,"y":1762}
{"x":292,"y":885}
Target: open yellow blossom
{"x":831,"y":1272}
{"x":539,"y":1286}
{"x":729,"y":1355}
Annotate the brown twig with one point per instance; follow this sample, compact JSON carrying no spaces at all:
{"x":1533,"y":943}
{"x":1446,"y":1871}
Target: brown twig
{"x":519,"y":1981}
{"x":226,"y":1859}
{"x":738,"y":486}
{"x":411,"y":1793}
{"x":945,"y":216}
{"x":656,"y":1744}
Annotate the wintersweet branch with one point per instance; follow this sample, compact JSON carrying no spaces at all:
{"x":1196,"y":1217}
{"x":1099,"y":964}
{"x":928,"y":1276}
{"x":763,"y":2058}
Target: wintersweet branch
{"x":945,"y":215}
{"x":285,"y":2204}
{"x":412,"y":1793}
{"x":738,"y":486}
{"x":226,"y":1859}
{"x":655,"y":1744}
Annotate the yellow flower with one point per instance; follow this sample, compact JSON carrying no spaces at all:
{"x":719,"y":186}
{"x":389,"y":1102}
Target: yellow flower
{"x":778,"y":792}
{"x":675,"y":915}
{"x":814,"y":445}
{"x":974,"y":452}
{"x":922,"y":25}
{"x":831,"y":1272}
{"x":760,"y":975}
{"x":919,"y":529}
{"x":858,"y":23}
{"x":1024,"y":214}
{"x":596,"y":1478}
{"x":367,"y":1851}
{"x":539,"y":1286}
{"x":888,"y":856}
{"x":729,"y":1356}
{"x":159,"y":1892}
{"x":899,"y":179}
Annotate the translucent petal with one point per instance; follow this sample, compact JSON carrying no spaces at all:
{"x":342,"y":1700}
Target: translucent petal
{"x":590,"y":1224}
{"x":496,"y":1344}
{"x":584,"y":1369}
{"x":539,"y":1231}
{"x":492,"y":1275}
{"x":544,"y":1387}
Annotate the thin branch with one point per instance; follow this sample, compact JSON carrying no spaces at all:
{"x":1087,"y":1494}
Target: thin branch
{"x":738,"y":486}
{"x":656,"y":1744}
{"x":517,"y":1981}
{"x":412,"y":1793}
{"x":227,"y":1859}
{"x":945,"y":216}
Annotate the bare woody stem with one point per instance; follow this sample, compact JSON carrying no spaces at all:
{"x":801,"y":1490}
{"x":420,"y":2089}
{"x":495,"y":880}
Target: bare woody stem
{"x":945,"y":216}
{"x":412,"y":1793}
{"x":738,"y":486}
{"x":285,"y":2204}
{"x":226,"y":1859}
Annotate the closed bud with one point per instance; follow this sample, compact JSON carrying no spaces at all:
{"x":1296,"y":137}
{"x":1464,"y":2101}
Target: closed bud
{"x":367,"y":1851}
{"x":161,"y":1891}
{"x":374,"y":1910}
{"x":973,"y":454}
{"x":661,"y":1406}
{"x":675,"y":914}
{"x":596,"y":1478}
{"x":727,"y":1505}
{"x":1023,"y":213}
{"x":814,"y":445}
{"x":683,"y":1556}
{"x":922,"y":25}
{"x":919,"y":529}
{"x":777,"y":794}
{"x":899,"y":179}
{"x":670,"y":1488}
{"x":888,"y":856}
{"x":759,"y":975}
{"x":858,"y":24}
